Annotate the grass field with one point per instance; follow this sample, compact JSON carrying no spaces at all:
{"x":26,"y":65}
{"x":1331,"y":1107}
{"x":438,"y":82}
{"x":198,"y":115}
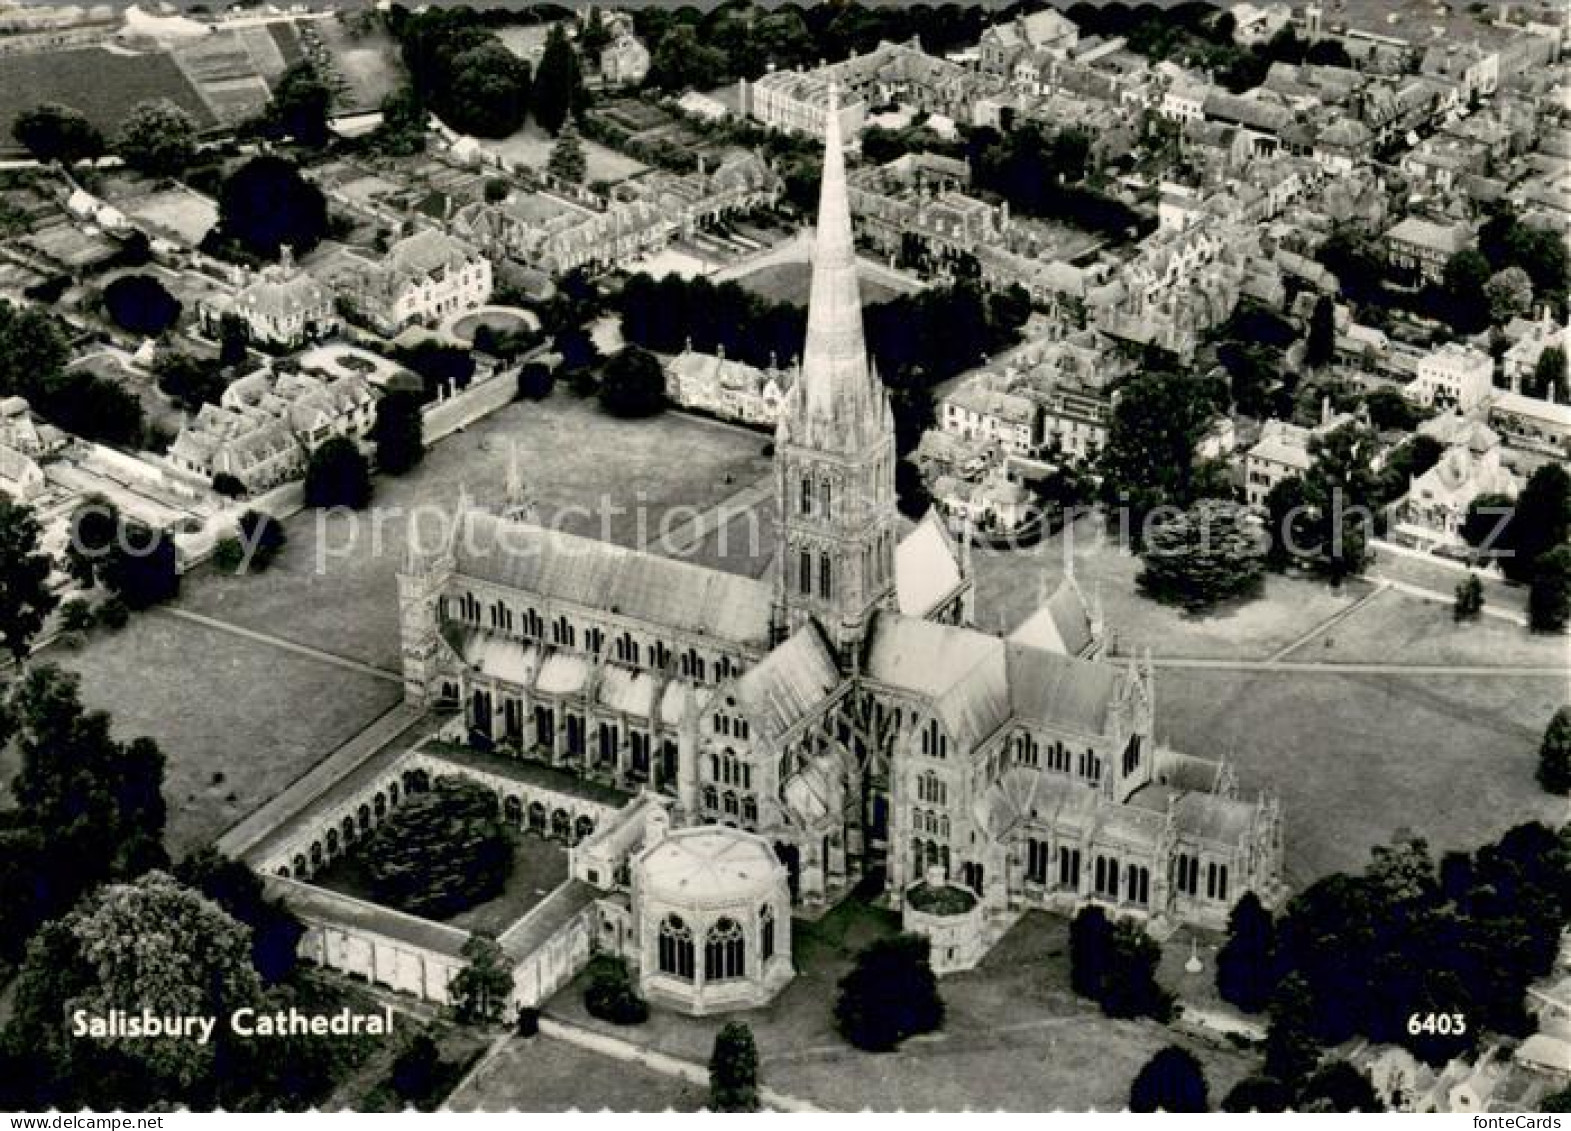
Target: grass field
{"x":542,"y":1074}
{"x":1015,"y":1038}
{"x":572,"y":456}
{"x":531,"y":148}
{"x":1357,"y":758}
{"x":790,"y":282}
{"x":237,"y":721}
{"x":102,"y":85}
{"x":1396,"y":626}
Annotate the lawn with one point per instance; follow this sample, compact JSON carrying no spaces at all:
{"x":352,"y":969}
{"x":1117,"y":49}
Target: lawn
{"x":542,"y":1074}
{"x":531,"y":148}
{"x":1015,"y":1037}
{"x":538,"y":867}
{"x":1397,"y":627}
{"x":1010,"y":585}
{"x":572,"y":456}
{"x":237,"y":721}
{"x":101,"y":85}
{"x":791,"y":281}
{"x":1358,"y":758}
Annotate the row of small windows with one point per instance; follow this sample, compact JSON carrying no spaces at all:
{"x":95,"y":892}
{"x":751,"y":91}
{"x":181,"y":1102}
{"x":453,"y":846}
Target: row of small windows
{"x":1186,"y":877}
{"x":731,"y":726}
{"x":728,"y":769}
{"x":744,"y":808}
{"x":1137,"y":880}
{"x":725,"y":947}
{"x":1029,"y":752}
{"x":826,"y":575}
{"x":927,"y":821}
{"x":935,"y":743}
{"x":932,"y":790}
{"x":1039,"y":861}
{"x":824,"y":495}
{"x":625,"y":648}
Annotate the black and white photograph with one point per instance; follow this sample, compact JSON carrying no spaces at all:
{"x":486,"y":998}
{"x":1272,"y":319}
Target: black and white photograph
{"x":834,"y":556}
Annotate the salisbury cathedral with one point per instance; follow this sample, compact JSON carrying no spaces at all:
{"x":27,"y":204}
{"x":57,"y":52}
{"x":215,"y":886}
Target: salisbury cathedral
{"x":846,"y":709}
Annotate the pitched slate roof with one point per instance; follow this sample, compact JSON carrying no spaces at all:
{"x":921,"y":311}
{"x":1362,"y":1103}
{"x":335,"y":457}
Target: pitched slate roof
{"x":583,"y":571}
{"x":789,"y":683}
{"x":927,"y":568}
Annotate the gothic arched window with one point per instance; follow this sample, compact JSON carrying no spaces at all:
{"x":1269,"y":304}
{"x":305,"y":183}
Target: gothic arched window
{"x":725,"y":951}
{"x":805,"y":573}
{"x":825,"y":497}
{"x":676,"y":948}
{"x":807,"y":495}
{"x":766,"y":932}
{"x":826,"y":583}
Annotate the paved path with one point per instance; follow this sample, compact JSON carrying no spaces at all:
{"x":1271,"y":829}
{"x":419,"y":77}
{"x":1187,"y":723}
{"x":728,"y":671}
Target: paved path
{"x":1329,"y":623}
{"x":279,"y":642}
{"x":682,"y":541}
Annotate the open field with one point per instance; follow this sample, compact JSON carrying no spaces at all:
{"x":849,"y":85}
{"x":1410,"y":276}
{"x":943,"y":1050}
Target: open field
{"x":542,"y":1074}
{"x":572,"y":456}
{"x":101,"y":84}
{"x":1011,"y":584}
{"x":237,"y":721}
{"x":1015,"y":1038}
{"x":1396,"y":626}
{"x":790,"y":282}
{"x":531,"y":148}
{"x":1356,"y":758}
{"x":539,"y":866}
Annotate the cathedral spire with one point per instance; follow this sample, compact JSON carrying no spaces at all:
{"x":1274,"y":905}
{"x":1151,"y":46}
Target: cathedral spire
{"x":840,"y":398}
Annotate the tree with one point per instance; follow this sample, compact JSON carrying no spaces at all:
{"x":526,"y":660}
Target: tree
{"x":1202,"y":556}
{"x":1287,"y":523}
{"x":142,"y":566}
{"x":567,"y":162}
{"x":301,"y":105}
{"x":681,"y":61}
{"x":1090,"y":942}
{"x":266,"y":205}
{"x":1245,"y":966}
{"x":141,"y":305}
{"x":611,"y":995}
{"x":151,"y":944}
{"x":417,"y":1071}
{"x":1115,"y":966}
{"x":399,"y":432}
{"x":1320,"y":345}
{"x":487,"y":91}
{"x":1258,"y":1093}
{"x":890,"y":994}
{"x":733,"y":1070}
{"x":1340,"y":490}
{"x":1469,"y":601}
{"x":444,"y":851}
{"x":52,"y":132}
{"x":1557,"y":1102}
{"x":594,"y":37}
{"x":1486,"y":526}
{"x":262,"y":537}
{"x":1509,"y":293}
{"x":402,"y":132}
{"x":1463,"y":291}
{"x":559,"y":81}
{"x":76,"y":616}
{"x":275,"y":931}
{"x":1171,"y":1081}
{"x":1291,"y":1049}
{"x":1549,"y":593}
{"x":481,"y":989}
{"x":1390,"y":411}
{"x":633,"y":384}
{"x":1149,"y":460}
{"x":1540,"y":521}
{"x":1554,"y":754}
{"x":337,"y":476}
{"x":188,"y":380}
{"x":157,"y":138}
{"x":25,"y":597}
{"x":1549,"y":376}
{"x":1338,"y":1086}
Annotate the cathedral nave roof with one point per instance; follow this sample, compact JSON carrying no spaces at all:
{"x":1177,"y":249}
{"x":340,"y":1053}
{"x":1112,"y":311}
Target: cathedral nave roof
{"x":661,"y":592}
{"x":789,"y":683}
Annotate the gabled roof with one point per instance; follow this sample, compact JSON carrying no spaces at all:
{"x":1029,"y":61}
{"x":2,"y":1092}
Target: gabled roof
{"x":927,"y":567}
{"x":1062,"y":624}
{"x":789,"y":683}
{"x":685,"y":597}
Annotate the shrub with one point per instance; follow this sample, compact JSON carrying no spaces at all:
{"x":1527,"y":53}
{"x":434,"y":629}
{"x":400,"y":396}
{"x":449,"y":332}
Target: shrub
{"x":611,"y":995}
{"x":890,"y":994}
{"x":76,"y":616}
{"x":228,"y":486}
{"x":139,"y":304}
{"x":114,"y":614}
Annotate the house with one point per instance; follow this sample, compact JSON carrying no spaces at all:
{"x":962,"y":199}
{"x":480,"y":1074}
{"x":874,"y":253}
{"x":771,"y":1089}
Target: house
{"x":1532,"y":424}
{"x":423,"y":279}
{"x":1436,"y":504}
{"x":1452,"y":376}
{"x":1419,"y":248}
{"x":997,"y":504}
{"x":1004,"y":45}
{"x":981,"y":409}
{"x":624,"y":61}
{"x":285,"y":308}
{"x":1257,"y":23}
{"x":727,"y":388}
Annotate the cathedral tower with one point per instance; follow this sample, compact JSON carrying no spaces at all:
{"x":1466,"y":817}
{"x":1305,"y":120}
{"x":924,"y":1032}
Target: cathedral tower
{"x":835,"y":449}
